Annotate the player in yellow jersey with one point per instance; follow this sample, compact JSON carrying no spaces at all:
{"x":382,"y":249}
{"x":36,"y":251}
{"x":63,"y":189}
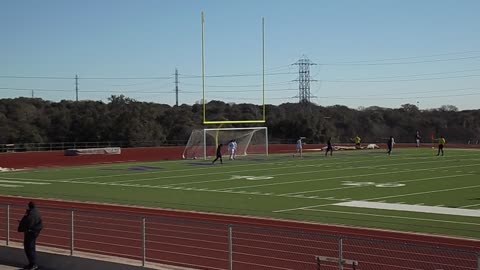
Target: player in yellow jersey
{"x":441,"y":143}
{"x":357,"y":141}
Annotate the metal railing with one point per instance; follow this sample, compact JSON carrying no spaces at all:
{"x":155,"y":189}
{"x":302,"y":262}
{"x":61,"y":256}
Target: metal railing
{"x":213,"y":245}
{"x":53,"y":146}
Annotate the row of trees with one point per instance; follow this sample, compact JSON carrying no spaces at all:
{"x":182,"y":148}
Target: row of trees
{"x":33,"y":120}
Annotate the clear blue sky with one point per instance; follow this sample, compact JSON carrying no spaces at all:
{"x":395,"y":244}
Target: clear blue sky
{"x":383,"y":53}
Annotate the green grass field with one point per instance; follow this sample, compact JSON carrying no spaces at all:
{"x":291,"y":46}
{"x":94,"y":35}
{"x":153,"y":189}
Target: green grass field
{"x":412,"y":190}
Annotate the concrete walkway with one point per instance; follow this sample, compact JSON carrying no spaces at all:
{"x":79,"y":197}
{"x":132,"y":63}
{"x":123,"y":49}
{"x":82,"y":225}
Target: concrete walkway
{"x":13,"y":258}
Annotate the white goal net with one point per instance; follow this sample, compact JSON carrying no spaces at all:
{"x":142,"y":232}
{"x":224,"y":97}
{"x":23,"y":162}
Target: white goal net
{"x":203,"y":142}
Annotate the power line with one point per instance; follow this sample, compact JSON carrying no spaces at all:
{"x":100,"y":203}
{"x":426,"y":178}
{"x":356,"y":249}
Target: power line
{"x":373,"y":62}
{"x":140,"y":91}
{"x":403,"y":80}
{"x":240,"y":86}
{"x":412,"y":97}
{"x":414,"y":75}
{"x":184,"y":76}
{"x":83,"y":78}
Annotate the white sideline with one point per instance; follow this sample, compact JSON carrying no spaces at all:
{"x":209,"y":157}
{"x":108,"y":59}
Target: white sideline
{"x":412,"y":208}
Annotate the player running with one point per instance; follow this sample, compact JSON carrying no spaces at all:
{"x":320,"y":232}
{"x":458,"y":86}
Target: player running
{"x":219,"y":154}
{"x":329,"y":147}
{"x":357,"y":141}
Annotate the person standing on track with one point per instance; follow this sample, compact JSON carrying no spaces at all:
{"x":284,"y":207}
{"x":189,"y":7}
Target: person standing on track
{"x":31,"y":225}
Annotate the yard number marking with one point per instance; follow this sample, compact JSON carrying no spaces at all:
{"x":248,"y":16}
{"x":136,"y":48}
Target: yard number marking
{"x":368,"y":184}
{"x":234,"y":177}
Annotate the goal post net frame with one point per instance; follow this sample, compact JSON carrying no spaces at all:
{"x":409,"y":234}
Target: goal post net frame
{"x":203,"y":142}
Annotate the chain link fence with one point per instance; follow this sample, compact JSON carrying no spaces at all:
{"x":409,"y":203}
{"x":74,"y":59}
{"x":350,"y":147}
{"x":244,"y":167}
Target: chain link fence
{"x":213,"y":245}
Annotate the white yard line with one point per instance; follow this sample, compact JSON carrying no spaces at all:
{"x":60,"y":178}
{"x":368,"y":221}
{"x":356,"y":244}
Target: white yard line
{"x":420,"y":193}
{"x":398,"y":217}
{"x":10,"y":186}
{"x":302,"y":208}
{"x":471,"y":205}
{"x":412,"y":208}
{"x":23,"y":182}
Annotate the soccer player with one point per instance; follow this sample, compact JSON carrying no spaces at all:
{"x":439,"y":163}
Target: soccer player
{"x":357,"y":141}
{"x":298,"y":148}
{"x":390,"y":144}
{"x":441,"y":143}
{"x":329,"y":147}
{"x":219,"y":154}
{"x":231,"y":149}
{"x":234,"y":149}
{"x":417,"y":138}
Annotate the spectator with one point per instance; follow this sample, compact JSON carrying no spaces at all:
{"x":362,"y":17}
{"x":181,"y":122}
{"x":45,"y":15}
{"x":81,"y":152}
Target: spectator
{"x":31,"y":225}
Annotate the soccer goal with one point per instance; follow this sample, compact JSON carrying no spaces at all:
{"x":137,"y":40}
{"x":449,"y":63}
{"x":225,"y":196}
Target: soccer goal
{"x":203,"y":142}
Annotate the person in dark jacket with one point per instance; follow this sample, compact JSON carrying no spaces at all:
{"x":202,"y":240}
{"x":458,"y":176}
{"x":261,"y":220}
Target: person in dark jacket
{"x":31,"y":225}
{"x":329,"y":147}
{"x":219,"y":154}
{"x":390,"y":143}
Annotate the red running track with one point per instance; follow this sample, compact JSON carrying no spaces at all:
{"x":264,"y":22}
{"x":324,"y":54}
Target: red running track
{"x":200,"y":240}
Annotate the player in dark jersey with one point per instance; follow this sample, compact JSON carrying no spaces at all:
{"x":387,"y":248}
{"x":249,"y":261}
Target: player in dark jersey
{"x":390,"y":144}
{"x":219,"y":154}
{"x":329,"y":147}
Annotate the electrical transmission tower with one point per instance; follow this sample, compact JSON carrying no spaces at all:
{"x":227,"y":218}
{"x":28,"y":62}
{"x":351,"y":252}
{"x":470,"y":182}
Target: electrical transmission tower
{"x":304,"y":79}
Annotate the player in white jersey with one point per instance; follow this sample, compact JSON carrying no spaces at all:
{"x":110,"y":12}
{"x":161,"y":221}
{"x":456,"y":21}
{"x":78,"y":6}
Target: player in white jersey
{"x":232,"y":148}
{"x":298,"y":148}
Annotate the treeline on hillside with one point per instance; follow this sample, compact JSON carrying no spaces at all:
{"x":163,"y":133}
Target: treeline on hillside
{"x":33,"y":120}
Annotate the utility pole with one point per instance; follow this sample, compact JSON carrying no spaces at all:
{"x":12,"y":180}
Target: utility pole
{"x":176,"y":87}
{"x":33,"y":94}
{"x":304,"y":79}
{"x":76,"y":86}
